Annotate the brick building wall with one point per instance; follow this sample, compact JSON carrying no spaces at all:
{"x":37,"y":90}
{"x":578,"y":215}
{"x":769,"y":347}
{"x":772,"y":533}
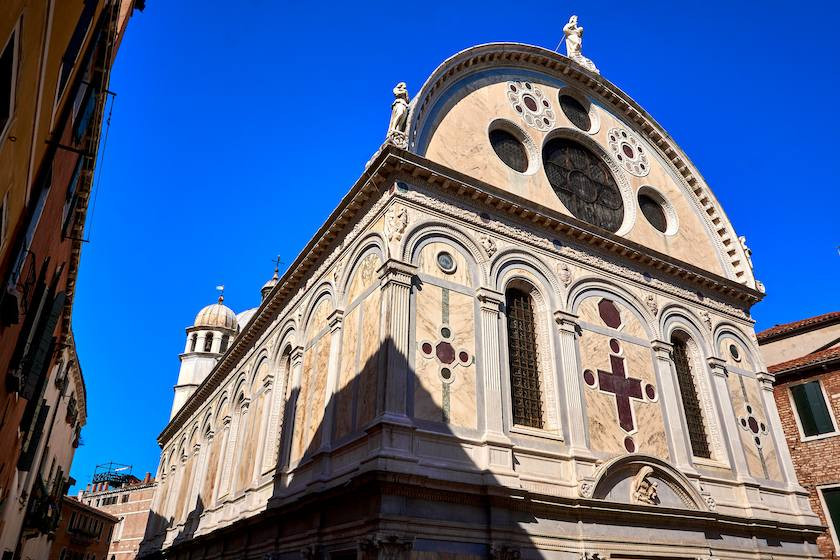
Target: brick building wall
{"x":82,"y":532}
{"x":817,"y":461}
{"x":130,"y":504}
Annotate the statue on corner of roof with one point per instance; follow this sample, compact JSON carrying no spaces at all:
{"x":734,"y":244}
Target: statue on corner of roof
{"x":574,"y":41}
{"x":399,"y":116}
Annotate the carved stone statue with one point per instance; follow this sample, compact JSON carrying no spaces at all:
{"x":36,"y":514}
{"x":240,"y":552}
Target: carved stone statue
{"x":399,"y":115}
{"x":644,"y":489}
{"x":747,"y":251}
{"x":574,"y":42}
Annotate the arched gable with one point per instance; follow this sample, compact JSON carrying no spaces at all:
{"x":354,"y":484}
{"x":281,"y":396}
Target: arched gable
{"x":431,"y":231}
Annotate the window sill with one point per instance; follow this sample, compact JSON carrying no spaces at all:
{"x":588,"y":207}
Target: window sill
{"x":535,"y":432}
{"x":806,"y":439}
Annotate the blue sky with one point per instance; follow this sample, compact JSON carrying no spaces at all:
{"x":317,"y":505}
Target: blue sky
{"x":237,"y":128}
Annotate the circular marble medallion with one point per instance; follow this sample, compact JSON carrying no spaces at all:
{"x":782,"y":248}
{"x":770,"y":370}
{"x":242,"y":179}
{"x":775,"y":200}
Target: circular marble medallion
{"x":628,"y":151}
{"x":529,"y":103}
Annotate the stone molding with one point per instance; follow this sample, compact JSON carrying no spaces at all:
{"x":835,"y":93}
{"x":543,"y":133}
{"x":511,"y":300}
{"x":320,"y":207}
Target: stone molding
{"x":385,"y":547}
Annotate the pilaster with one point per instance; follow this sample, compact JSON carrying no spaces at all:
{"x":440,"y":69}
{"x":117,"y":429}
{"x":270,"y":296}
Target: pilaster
{"x":395,"y":281}
{"x":765,"y":381}
{"x":739,"y":460}
{"x":568,"y":331}
{"x":335,"y":321}
{"x":490,"y":303}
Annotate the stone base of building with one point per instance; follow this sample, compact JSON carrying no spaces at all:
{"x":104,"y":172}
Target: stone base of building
{"x":394,"y":517}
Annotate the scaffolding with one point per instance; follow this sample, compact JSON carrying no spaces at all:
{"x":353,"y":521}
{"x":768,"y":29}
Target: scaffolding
{"x":115,"y":474}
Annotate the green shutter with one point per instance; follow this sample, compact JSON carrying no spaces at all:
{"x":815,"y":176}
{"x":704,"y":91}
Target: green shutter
{"x":42,"y":348}
{"x":832,"y":504}
{"x":811,"y":408}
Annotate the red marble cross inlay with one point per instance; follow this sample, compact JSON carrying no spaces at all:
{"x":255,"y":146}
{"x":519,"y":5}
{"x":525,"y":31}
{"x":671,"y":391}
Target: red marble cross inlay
{"x":624,"y":388}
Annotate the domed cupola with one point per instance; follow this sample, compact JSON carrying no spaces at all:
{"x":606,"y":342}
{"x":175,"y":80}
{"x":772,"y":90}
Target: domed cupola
{"x":266,"y":289}
{"x":208,"y":338}
{"x":216,"y":316}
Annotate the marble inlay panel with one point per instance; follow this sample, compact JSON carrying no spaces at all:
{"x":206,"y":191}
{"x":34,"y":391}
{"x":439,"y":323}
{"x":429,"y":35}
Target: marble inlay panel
{"x":346,"y":374}
{"x":369,"y":358}
{"x":364,"y":277}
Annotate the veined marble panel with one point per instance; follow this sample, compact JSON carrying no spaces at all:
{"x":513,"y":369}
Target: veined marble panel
{"x":369,"y":358}
{"x":346,"y":374}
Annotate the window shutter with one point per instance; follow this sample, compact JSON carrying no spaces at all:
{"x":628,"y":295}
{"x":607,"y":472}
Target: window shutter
{"x":811,"y":408}
{"x":42,"y":349}
{"x":28,"y":455}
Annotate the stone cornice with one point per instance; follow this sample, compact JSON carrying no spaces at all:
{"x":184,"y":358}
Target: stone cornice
{"x":499,"y":55}
{"x":393,"y":163}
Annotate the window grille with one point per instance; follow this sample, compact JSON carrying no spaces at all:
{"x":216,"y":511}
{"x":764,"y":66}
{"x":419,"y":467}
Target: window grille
{"x":523,"y":359}
{"x":509,"y":149}
{"x":691,"y":403}
{"x":575,"y":112}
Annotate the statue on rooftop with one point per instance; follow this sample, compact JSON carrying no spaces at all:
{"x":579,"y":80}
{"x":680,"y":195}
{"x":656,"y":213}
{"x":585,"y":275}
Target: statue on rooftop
{"x":574,"y":41}
{"x":399,"y":116}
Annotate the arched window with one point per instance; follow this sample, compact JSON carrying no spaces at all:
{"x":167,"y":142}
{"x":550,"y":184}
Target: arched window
{"x":208,"y":342}
{"x":526,"y":397}
{"x":688,"y":393}
{"x":193,"y":342}
{"x":225,"y":342}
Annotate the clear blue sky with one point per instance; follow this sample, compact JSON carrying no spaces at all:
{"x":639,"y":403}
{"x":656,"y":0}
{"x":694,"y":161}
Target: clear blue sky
{"x":238,"y":127}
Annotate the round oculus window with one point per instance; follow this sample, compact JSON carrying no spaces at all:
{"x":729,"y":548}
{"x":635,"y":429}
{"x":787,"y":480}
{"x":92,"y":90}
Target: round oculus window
{"x":653,"y":212}
{"x":584,"y":183}
{"x":509,"y":149}
{"x":446,"y":262}
{"x":733,"y":351}
{"x":575,"y":112}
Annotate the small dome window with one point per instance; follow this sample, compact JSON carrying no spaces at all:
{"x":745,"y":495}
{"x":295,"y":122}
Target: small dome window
{"x":193,"y":341}
{"x":509,"y":149}
{"x":208,"y":342}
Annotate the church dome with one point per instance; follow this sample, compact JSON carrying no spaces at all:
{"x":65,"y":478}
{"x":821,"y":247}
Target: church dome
{"x":216,"y":316}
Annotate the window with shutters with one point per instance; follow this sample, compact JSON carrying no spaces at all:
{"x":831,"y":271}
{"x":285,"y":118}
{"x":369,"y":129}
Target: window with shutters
{"x":8,"y":79}
{"x":830,"y":498}
{"x":813,"y":414}
{"x":683,"y":363}
{"x":523,"y":359}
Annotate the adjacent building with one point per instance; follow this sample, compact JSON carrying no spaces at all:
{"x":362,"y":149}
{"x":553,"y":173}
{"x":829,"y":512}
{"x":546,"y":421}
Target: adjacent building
{"x":805,"y":358}
{"x":524,"y":332}
{"x":83,"y":534}
{"x":129,"y":500}
{"x":55,"y":61}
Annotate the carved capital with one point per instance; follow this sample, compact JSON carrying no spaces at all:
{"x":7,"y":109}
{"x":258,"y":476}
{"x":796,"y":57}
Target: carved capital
{"x":662,"y":349}
{"x":268,"y":381}
{"x":226,"y":421}
{"x":209,"y":435}
{"x":490,"y":300}
{"x":393,"y":271}
{"x":718,"y":366}
{"x":334,"y":320}
{"x":196,"y":449}
{"x":765,"y":380}
{"x":385,"y":547}
{"x":296,"y":355}
{"x":567,"y":322}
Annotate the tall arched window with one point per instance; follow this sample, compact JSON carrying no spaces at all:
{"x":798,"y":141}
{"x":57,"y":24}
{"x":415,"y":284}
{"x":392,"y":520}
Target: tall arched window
{"x":193,"y":341}
{"x":688,"y":393}
{"x":208,"y":342}
{"x":526,"y":397}
{"x":225,"y":342}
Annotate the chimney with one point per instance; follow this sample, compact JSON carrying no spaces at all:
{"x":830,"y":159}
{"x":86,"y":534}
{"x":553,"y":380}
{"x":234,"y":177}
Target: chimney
{"x":147,"y":478}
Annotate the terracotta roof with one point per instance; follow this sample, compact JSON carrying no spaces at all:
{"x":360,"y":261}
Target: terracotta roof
{"x":804,"y":324}
{"x":807,"y":360}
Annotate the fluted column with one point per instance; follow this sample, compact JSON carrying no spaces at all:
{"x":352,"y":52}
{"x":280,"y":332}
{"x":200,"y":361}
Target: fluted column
{"x":567,"y":324}
{"x":395,"y":281}
{"x":490,"y":303}
{"x":669,"y":392}
{"x":336,"y":320}
{"x":730,"y":422}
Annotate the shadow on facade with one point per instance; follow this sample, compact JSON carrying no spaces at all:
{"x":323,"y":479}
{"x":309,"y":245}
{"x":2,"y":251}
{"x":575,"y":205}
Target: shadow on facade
{"x":370,"y":497}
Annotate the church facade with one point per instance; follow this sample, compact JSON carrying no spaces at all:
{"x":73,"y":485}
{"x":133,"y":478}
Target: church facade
{"x":524,"y":332}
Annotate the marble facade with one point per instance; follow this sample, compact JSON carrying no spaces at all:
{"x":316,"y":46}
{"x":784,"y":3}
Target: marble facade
{"x":366,"y":409}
